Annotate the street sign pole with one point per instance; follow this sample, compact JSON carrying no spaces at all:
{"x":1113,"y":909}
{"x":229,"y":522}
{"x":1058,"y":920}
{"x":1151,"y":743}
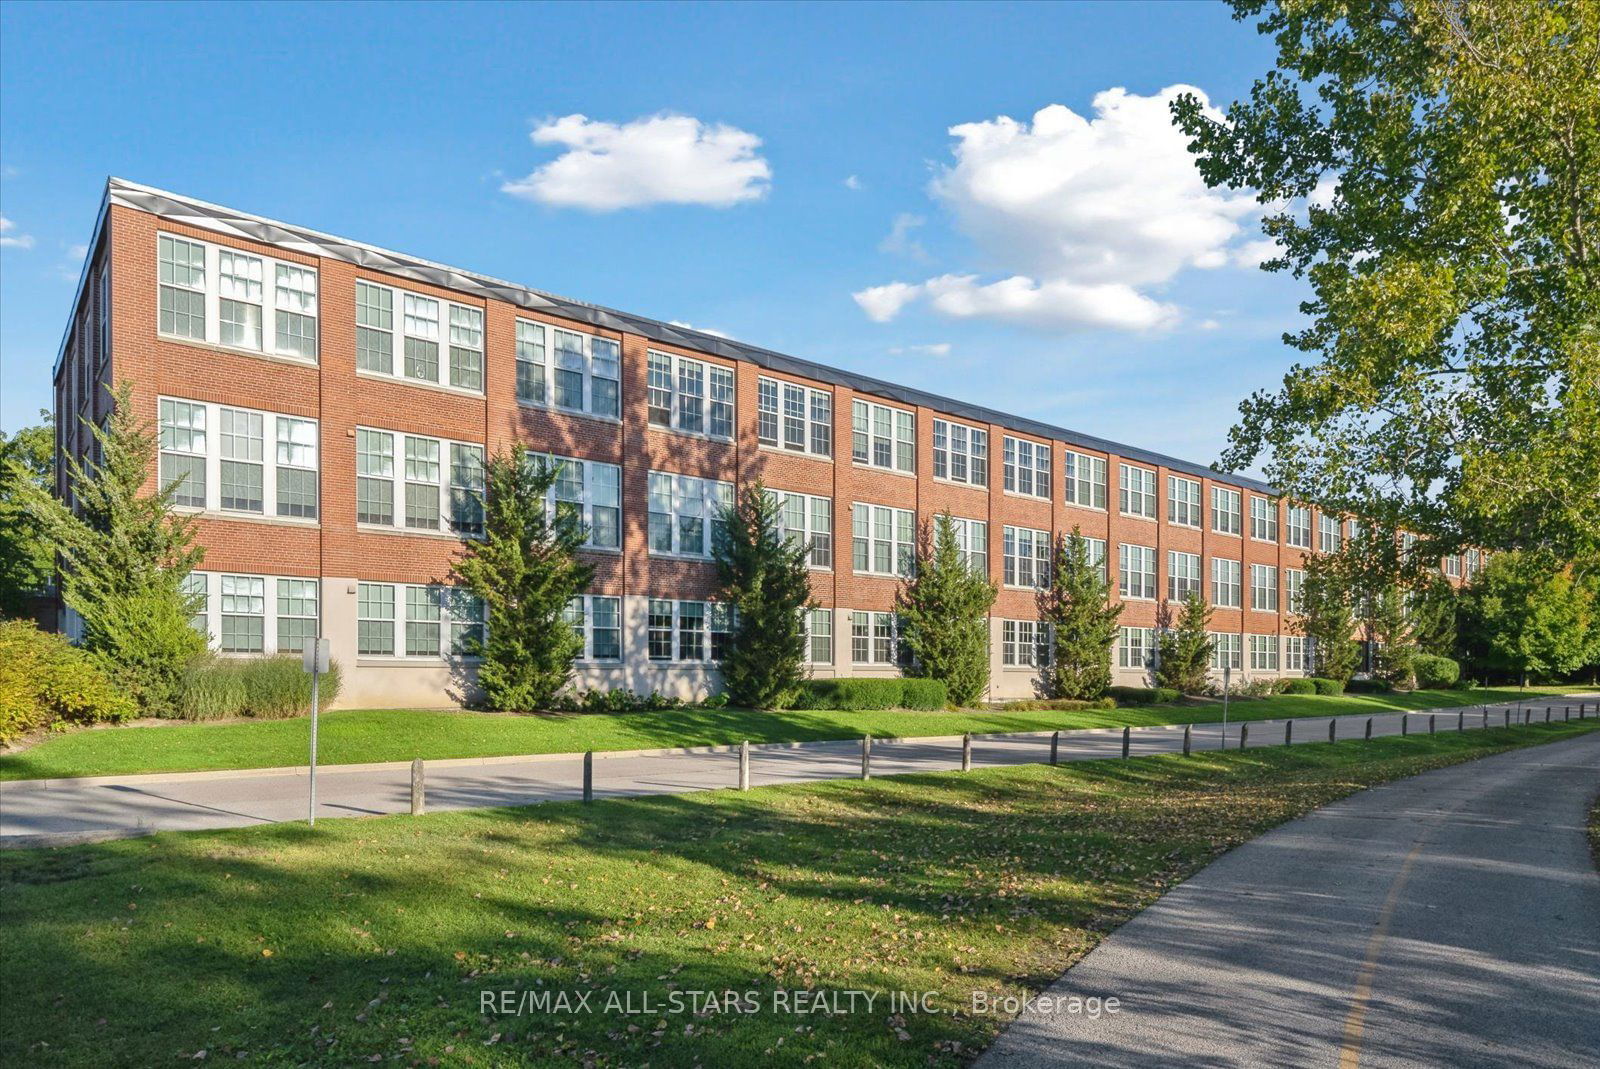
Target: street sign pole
{"x":1227,"y":676}
{"x":315,"y":661}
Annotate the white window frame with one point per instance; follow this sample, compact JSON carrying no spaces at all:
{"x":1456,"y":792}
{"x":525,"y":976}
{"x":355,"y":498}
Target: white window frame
{"x":1183,"y":501}
{"x":877,"y":623}
{"x":708,"y":414}
{"x":1025,"y":467}
{"x":1452,"y":566}
{"x":536,"y":349}
{"x":895,"y":432}
{"x":1136,"y":648}
{"x":815,"y":529}
{"x":1263,"y":519}
{"x":1263,"y":588}
{"x":1227,"y":650}
{"x":1025,"y":644}
{"x":714,"y":619}
{"x":775,"y":419}
{"x":581,"y":614}
{"x":1294,"y":581}
{"x":208,"y":585}
{"x":1183,"y":575}
{"x":1226,"y":511}
{"x":1136,"y":571}
{"x":270,"y":301}
{"x":210,"y":454}
{"x":674,"y":499}
{"x":1227,"y":582}
{"x":1330,"y":534}
{"x":456,"y":613}
{"x":963,"y":447}
{"x":1085,"y":480}
{"x":868,"y":540}
{"x":972,"y":542}
{"x":1136,"y":491}
{"x":1297,"y":526}
{"x":467,"y":490}
{"x":1294,"y":653}
{"x":602,"y":490}
{"x":813,"y":619}
{"x":1263,"y":653}
{"x":1025,"y":557}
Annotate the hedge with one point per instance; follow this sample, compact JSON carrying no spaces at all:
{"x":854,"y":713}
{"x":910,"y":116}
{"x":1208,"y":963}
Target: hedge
{"x":266,"y":688}
{"x":928,"y":694}
{"x":1142,"y":695}
{"x":1368,"y":686}
{"x":46,"y":682}
{"x":863,"y":695}
{"x":1298,"y":686}
{"x":1330,"y":687}
{"x":1435,"y":673}
{"x":1032,"y":705}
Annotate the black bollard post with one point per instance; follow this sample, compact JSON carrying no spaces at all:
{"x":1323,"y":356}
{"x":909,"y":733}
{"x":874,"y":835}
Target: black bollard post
{"x":1244,"y":735}
{"x":1186,"y":740}
{"x":1125,"y":742}
{"x":588,"y":775}
{"x":1055,"y":747}
{"x":1369,"y":729}
{"x":1333,"y":730}
{"x":1288,"y":732}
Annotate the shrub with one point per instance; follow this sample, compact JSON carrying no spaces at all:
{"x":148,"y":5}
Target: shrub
{"x":46,"y":682}
{"x":1028,"y":705}
{"x":1167,"y":694}
{"x":1132,"y":695}
{"x":1297,"y":686}
{"x":850,"y":695}
{"x":1369,"y":686}
{"x":1258,"y":688}
{"x":1329,"y":687}
{"x":266,"y":688}
{"x":924,"y":694}
{"x":718,"y":700}
{"x":1435,"y":673}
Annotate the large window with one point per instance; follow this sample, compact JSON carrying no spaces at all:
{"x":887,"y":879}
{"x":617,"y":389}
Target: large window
{"x":1136,"y":647}
{"x":568,"y":370}
{"x":1263,"y":519}
{"x":1297,"y":526}
{"x":225,"y":296}
{"x":1294,"y":581}
{"x":1086,"y":480}
{"x":1225,"y":518}
{"x":883,"y":437}
{"x":960,"y":453}
{"x":883,"y":539}
{"x":1294,"y":653}
{"x":1263,"y":653}
{"x":1136,"y":571}
{"x":689,"y":395}
{"x":874,"y":638}
{"x":819,"y":636}
{"x":1026,"y":467}
{"x":1227,"y":650}
{"x":1024,"y":643}
{"x":972,"y":543}
{"x":418,"y":483}
{"x":374,"y":328}
{"x":1329,"y":534}
{"x":243,"y":604}
{"x":1183,"y":501}
{"x":693,"y":631}
{"x":254,"y":613}
{"x":794,"y":417}
{"x":297,"y":614}
{"x":597,"y":619}
{"x":399,"y":620}
{"x":589,"y":493}
{"x":1183,"y":575}
{"x":1026,"y":557}
{"x":1263,"y":588}
{"x":1225,"y":583}
{"x":1136,"y":491}
{"x":255,"y":462}
{"x":685,"y":513}
{"x":421,"y":338}
{"x":807,"y":520}
{"x":1452,"y":566}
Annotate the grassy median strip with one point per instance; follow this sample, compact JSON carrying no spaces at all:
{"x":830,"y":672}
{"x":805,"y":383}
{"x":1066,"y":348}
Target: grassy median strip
{"x":372,"y":940}
{"x":360,"y":736}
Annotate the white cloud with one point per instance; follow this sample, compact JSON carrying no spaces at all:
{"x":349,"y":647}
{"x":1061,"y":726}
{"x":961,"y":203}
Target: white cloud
{"x":1209,"y":324}
{"x":883,"y":303}
{"x":941,"y":348}
{"x":852,"y":182}
{"x":11,"y":240}
{"x":1079,"y":216}
{"x":702,"y":330}
{"x":898,"y":241}
{"x":659,"y":159}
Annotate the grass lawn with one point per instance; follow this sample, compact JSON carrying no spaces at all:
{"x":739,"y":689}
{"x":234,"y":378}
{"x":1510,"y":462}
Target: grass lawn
{"x":371,"y":940}
{"x":366,"y":735}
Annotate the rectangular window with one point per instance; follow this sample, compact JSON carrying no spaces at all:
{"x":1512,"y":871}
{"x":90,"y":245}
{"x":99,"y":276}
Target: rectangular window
{"x":1294,"y":653}
{"x":438,"y":483}
{"x":424,"y":620}
{"x":694,"y":631}
{"x":1136,"y":571}
{"x":819,"y":636}
{"x":1136,"y":491}
{"x":1183,"y":501}
{"x":532,"y":365}
{"x":659,"y":626}
{"x":1086,"y":480}
{"x":683,"y":512}
{"x":1263,"y":519}
{"x":243,"y":603}
{"x":469,"y":623}
{"x":297,"y":614}
{"x":767,"y":411}
{"x":239,"y":290}
{"x":1136,"y":647}
{"x":960,"y":453}
{"x":598,"y":620}
{"x":466,"y":347}
{"x":1263,"y":653}
{"x":466,"y":489}
{"x":883,"y":541}
{"x":1452,"y":567}
{"x":1024,"y":643}
{"x":972,"y":542}
{"x":689,"y":395}
{"x":1225,"y":518}
{"x":1183,"y":575}
{"x":1474,"y":563}
{"x":421,"y":323}
{"x":692,"y":396}
{"x":296,"y":310}
{"x":1225,"y":582}
{"x":874,"y":638}
{"x":374,"y":477}
{"x":241,"y":475}
{"x":245,"y":287}
{"x":436,"y":621}
{"x":1263,"y":588}
{"x":1226,"y":651}
{"x":296,"y":473}
{"x":1026,"y":467}
{"x":1297,"y":526}
{"x":588,"y":493}
{"x":182,"y":273}
{"x":196,"y":588}
{"x":883,"y":437}
{"x":1025,"y":556}
{"x":585,"y":373}
{"x":809,"y":520}
{"x":1294,"y":581}
{"x":422,"y":473}
{"x":1329,"y":535}
{"x":374,"y":328}
{"x":183,"y":451}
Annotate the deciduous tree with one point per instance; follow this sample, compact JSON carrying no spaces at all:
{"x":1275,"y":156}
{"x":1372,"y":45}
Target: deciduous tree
{"x":27,"y":561}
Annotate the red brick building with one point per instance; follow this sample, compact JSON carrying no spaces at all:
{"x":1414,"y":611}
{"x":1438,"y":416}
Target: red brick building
{"x":327,"y":406}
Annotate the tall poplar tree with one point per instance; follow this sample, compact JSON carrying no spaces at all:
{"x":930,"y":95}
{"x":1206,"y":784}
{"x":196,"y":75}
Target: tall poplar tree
{"x":1083,"y":624}
{"x":944,"y":614}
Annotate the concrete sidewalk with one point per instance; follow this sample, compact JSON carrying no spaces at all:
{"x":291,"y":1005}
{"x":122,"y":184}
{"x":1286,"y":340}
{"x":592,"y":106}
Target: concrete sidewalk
{"x":45,"y":812}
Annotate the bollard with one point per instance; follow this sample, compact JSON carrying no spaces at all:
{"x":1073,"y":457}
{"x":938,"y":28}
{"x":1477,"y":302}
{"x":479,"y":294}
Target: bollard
{"x":1288,"y":732}
{"x":1125,"y":742}
{"x":1405,"y":724}
{"x":1547,"y":714}
{"x":1369,"y":729}
{"x":1186,"y":740}
{"x":866,"y":757}
{"x":1430,"y":723}
{"x":1527,"y":716}
{"x":744,"y":765}
{"x":1055,"y":747}
{"x":1461,"y":720}
{"x":1508,"y":718}
{"x":1566,"y":712}
{"x":416,"y":787}
{"x":966,"y":752}
{"x":1486,"y":718}
{"x":1244,"y":735}
{"x":588,"y":775}
{"x":1333,"y":730}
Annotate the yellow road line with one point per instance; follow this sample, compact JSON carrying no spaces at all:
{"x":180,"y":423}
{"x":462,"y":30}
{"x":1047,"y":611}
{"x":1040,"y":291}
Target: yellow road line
{"x":1355,"y":1020}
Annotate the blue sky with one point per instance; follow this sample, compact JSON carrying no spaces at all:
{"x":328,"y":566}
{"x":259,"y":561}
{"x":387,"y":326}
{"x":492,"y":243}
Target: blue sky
{"x":787,"y":175}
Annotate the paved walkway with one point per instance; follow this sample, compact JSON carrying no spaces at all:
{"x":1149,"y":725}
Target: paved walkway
{"x":1449,"y":919}
{"x":35,"y":812}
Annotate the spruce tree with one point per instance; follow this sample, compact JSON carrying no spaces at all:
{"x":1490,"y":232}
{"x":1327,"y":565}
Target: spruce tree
{"x":525,"y":568}
{"x":1433,"y":611}
{"x":124,"y":557}
{"x":944,"y":616}
{"x":762,"y":576}
{"x":1184,"y":645}
{"x":1327,"y":621}
{"x":1083,"y":624}
{"x":1388,"y":630}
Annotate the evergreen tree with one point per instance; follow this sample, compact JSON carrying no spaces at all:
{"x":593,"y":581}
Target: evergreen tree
{"x":125,"y":555}
{"x":1327,"y":621}
{"x":525,"y":568}
{"x":27,"y":562}
{"x":944,"y":614}
{"x":1433,"y":606}
{"x":1083,"y":625}
{"x":1184,"y":647}
{"x":763,"y":578}
{"x":1389,"y":632}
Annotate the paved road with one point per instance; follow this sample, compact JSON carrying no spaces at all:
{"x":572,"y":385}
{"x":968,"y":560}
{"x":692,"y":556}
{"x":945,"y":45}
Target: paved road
{"x":34,"y":812}
{"x":1451,"y":919}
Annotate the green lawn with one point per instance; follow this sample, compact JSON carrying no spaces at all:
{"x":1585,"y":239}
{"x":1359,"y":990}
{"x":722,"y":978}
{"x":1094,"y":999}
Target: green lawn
{"x":358,"y":736}
{"x":371,"y":940}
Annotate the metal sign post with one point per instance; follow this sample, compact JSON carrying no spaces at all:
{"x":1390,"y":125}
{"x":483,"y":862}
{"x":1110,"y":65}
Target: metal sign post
{"x":1227,"y":676}
{"x":315,"y":661}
